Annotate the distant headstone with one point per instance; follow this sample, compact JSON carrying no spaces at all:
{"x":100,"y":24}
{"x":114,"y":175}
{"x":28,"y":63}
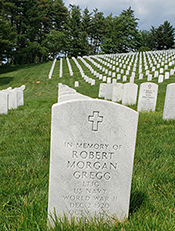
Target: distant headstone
{"x":65,"y":93}
{"x":118,"y":76}
{"x":91,"y":163}
{"x":169,"y":106}
{"x":114,"y":81}
{"x":124,"y":78}
{"x":172,"y":72}
{"x":161,"y":70}
{"x":167,"y":75}
{"x":113,"y":74}
{"x":160,"y":79}
{"x":156,"y":73}
{"x":61,"y":68}
{"x":71,"y":97}
{"x":109,"y":80}
{"x":20,"y":96}
{"x":13,"y":99}
{"x":52,"y":68}
{"x":100,"y":76}
{"x":127,"y":72}
{"x":149,"y":78}
{"x":104,"y":78}
{"x":108,"y":91}
{"x":3,"y":102}
{"x":140,"y":76}
{"x":101,"y":93}
{"x":131,"y":80}
{"x":117,"y":92}
{"x":93,"y":82}
{"x":147,"y":72}
{"x":64,"y":90}
{"x":147,"y":97}
{"x":166,"y":67}
{"x":129,"y":93}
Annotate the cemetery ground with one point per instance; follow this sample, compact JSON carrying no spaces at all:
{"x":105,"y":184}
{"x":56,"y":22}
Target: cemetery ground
{"x":25,"y":152}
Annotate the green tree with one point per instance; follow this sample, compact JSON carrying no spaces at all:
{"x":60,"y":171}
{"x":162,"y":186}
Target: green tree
{"x":77,"y":38}
{"x":97,"y":31}
{"x":7,"y":39}
{"x":55,"y":42}
{"x":163,"y":36}
{"x":168,"y":32}
{"x":147,"y":40}
{"x":87,"y":28}
{"x":112,"y":34}
{"x":7,"y":36}
{"x":60,"y":14}
{"x":31,"y":21}
{"x":130,"y":37}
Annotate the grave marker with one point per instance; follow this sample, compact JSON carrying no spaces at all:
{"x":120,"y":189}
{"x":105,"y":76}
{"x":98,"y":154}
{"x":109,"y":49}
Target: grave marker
{"x":91,"y":162}
{"x":3,"y":102}
{"x":129,"y":93}
{"x":101,"y":93}
{"x":117,"y":92}
{"x":169,"y":106}
{"x":147,"y":97}
{"x":108,"y":91}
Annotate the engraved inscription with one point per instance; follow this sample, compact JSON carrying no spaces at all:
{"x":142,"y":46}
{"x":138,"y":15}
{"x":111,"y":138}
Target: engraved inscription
{"x":91,"y":164}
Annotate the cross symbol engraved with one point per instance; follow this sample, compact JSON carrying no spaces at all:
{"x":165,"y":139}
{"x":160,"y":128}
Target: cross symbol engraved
{"x":95,"y":119}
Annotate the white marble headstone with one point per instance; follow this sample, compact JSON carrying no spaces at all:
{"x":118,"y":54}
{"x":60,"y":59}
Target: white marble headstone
{"x":108,"y":91}
{"x":124,"y":78}
{"x":13,"y":99}
{"x":109,"y":80}
{"x":117,"y":92}
{"x":167,"y":74}
{"x":140,"y":76}
{"x":104,"y":78}
{"x":3,"y":102}
{"x":129,"y":93}
{"x":147,"y":97}
{"x":101,"y":93}
{"x":160,"y":79}
{"x":20,"y":96}
{"x":91,"y":159}
{"x":169,"y":105}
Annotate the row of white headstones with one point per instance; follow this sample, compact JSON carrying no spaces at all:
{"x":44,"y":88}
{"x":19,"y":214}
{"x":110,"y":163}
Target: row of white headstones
{"x":97,"y":137}
{"x":161,"y":63}
{"x":11,"y":99}
{"x":127,"y":93}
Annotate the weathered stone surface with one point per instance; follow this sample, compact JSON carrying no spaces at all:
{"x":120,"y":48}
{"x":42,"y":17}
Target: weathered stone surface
{"x":91,"y":160}
{"x":117,"y":92}
{"x":129,"y":93}
{"x":13,"y":99}
{"x":169,"y":106}
{"x":108,"y":91}
{"x":147,"y":97}
{"x":66,"y":93}
{"x":3,"y":102}
{"x":102,"y":87}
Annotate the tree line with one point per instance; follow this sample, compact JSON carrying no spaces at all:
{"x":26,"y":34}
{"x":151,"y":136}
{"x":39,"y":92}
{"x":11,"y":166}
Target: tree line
{"x":36,"y":30}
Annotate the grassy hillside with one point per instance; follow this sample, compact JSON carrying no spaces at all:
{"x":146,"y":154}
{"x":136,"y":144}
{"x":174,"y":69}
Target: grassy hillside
{"x":25,"y":151}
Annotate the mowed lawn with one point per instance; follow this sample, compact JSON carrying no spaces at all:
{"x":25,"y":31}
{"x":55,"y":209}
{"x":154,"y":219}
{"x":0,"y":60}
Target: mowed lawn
{"x":25,"y":153}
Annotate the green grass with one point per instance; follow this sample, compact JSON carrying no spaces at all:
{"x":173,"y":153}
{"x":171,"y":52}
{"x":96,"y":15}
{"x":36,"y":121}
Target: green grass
{"x":25,"y":150}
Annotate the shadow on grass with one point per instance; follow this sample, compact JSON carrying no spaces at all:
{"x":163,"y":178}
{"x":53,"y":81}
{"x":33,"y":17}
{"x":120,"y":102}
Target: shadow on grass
{"x":5,"y":80}
{"x":9,"y":68}
{"x":138,"y":198}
